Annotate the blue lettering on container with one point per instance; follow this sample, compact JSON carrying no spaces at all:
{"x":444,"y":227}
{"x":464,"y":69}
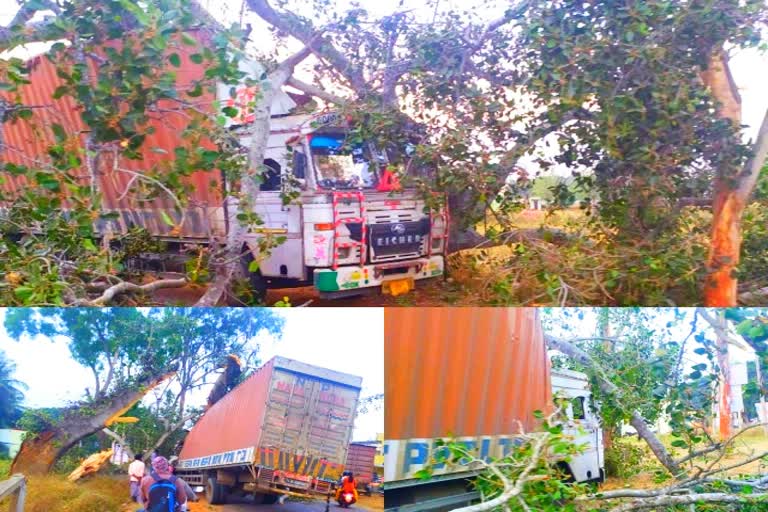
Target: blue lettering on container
{"x":469,"y":446}
{"x":485,"y":449}
{"x":505,"y":446}
{"x":415,"y":454}
{"x":442,"y":453}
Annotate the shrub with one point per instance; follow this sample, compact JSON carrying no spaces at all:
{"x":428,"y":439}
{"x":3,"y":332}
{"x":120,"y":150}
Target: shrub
{"x":624,"y":459}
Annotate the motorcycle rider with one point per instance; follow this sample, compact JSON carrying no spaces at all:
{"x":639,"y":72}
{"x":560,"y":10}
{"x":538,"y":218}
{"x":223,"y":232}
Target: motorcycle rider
{"x":348,"y":485}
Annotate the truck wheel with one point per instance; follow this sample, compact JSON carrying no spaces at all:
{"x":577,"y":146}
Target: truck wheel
{"x":270,"y":499}
{"x":215,"y":493}
{"x":258,"y":285}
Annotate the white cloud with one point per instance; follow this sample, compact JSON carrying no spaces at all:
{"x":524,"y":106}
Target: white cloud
{"x":341,"y":339}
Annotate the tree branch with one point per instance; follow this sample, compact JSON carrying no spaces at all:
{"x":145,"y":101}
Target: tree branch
{"x":126,"y":287}
{"x":316,"y":91}
{"x":120,"y":439}
{"x":320,"y":46}
{"x":691,"y":499}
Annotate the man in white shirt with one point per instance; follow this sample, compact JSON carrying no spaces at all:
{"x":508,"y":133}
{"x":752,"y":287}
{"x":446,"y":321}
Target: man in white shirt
{"x":135,"y":474}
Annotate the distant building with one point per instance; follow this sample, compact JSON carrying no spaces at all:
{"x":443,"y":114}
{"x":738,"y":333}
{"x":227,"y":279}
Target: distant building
{"x":10,"y":441}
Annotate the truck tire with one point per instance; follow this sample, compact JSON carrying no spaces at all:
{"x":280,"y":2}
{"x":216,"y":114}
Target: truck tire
{"x":265,"y":498}
{"x":215,"y":493}
{"x":258,"y":285}
{"x":271,"y":499}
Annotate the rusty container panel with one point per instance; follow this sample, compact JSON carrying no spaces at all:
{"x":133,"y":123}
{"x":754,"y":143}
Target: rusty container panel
{"x":288,"y":416}
{"x":26,"y":142}
{"x":310,"y":413}
{"x":463,"y":371}
{"x":360,"y":459}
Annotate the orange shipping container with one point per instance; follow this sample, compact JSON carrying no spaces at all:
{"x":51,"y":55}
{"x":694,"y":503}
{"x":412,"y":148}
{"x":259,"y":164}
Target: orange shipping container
{"x":26,"y":142}
{"x":476,"y":374}
{"x":288,"y":416}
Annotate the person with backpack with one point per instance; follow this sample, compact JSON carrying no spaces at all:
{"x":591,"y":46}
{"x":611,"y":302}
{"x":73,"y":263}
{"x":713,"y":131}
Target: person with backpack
{"x":161,"y":491}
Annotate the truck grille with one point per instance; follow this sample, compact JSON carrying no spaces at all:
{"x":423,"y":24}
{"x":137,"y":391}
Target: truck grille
{"x":266,"y":475}
{"x":398,"y":240}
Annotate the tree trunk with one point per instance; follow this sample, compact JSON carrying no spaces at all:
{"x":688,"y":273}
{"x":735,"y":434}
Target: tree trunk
{"x":724,"y":399}
{"x":729,"y":202}
{"x":249,"y":189}
{"x":38,"y":454}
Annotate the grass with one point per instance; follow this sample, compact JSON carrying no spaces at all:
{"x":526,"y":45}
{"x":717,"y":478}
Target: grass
{"x":54,"y":493}
{"x":744,"y":446}
{"x":5,"y":468}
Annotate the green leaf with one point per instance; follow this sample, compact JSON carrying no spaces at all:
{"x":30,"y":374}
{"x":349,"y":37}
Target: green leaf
{"x":196,"y":58}
{"x":230,"y":111}
{"x":175,"y":59}
{"x":24,"y":292}
{"x":60,"y":91}
{"x":167,"y":219}
{"x":196,"y":91}
{"x":679,"y":443}
{"x":58,"y":132}
{"x":253,"y":266}
{"x":136,"y":10}
{"x":88,"y":245}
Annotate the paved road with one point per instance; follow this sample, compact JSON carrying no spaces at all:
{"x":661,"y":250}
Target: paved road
{"x":288,"y":506}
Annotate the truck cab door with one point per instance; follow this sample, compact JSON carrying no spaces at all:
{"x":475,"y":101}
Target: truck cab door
{"x":585,"y":429}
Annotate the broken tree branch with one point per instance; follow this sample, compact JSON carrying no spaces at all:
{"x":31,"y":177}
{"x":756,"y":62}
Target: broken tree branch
{"x":126,"y":287}
{"x":320,"y":46}
{"x":316,"y":91}
{"x":608,"y":387}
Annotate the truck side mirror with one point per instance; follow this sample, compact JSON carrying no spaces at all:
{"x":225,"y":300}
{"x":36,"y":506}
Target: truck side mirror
{"x":299,"y":164}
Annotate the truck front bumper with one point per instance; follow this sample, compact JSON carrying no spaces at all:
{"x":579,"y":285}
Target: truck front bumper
{"x":347,"y":279}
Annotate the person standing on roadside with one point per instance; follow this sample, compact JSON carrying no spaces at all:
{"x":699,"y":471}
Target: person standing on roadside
{"x":135,"y":474}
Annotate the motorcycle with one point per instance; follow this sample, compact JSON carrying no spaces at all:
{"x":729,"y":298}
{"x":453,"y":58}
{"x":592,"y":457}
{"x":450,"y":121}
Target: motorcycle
{"x":346,"y":499}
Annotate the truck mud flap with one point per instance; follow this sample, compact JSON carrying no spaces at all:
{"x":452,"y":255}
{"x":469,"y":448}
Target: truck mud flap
{"x":445,"y":503}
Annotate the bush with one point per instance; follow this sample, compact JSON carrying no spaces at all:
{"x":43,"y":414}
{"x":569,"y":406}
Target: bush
{"x":5,"y":468}
{"x":588,"y":264}
{"x":624,"y":459}
{"x":754,"y":251}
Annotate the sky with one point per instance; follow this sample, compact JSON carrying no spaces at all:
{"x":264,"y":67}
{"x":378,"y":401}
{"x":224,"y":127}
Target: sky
{"x":573,"y":326}
{"x":316,"y":336}
{"x":749,"y":67}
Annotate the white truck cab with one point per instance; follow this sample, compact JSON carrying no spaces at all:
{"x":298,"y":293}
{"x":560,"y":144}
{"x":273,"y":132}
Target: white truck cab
{"x":349,"y":229}
{"x":582,"y":424}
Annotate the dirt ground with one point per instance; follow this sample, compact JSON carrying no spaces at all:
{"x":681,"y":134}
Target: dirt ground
{"x":745,"y":446}
{"x":435,"y":292}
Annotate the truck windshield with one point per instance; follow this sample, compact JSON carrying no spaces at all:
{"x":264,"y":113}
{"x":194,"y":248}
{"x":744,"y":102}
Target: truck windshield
{"x":339,"y":164}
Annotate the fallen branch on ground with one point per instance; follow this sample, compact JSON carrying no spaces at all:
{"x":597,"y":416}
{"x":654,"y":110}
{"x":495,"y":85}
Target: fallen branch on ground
{"x":126,"y":287}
